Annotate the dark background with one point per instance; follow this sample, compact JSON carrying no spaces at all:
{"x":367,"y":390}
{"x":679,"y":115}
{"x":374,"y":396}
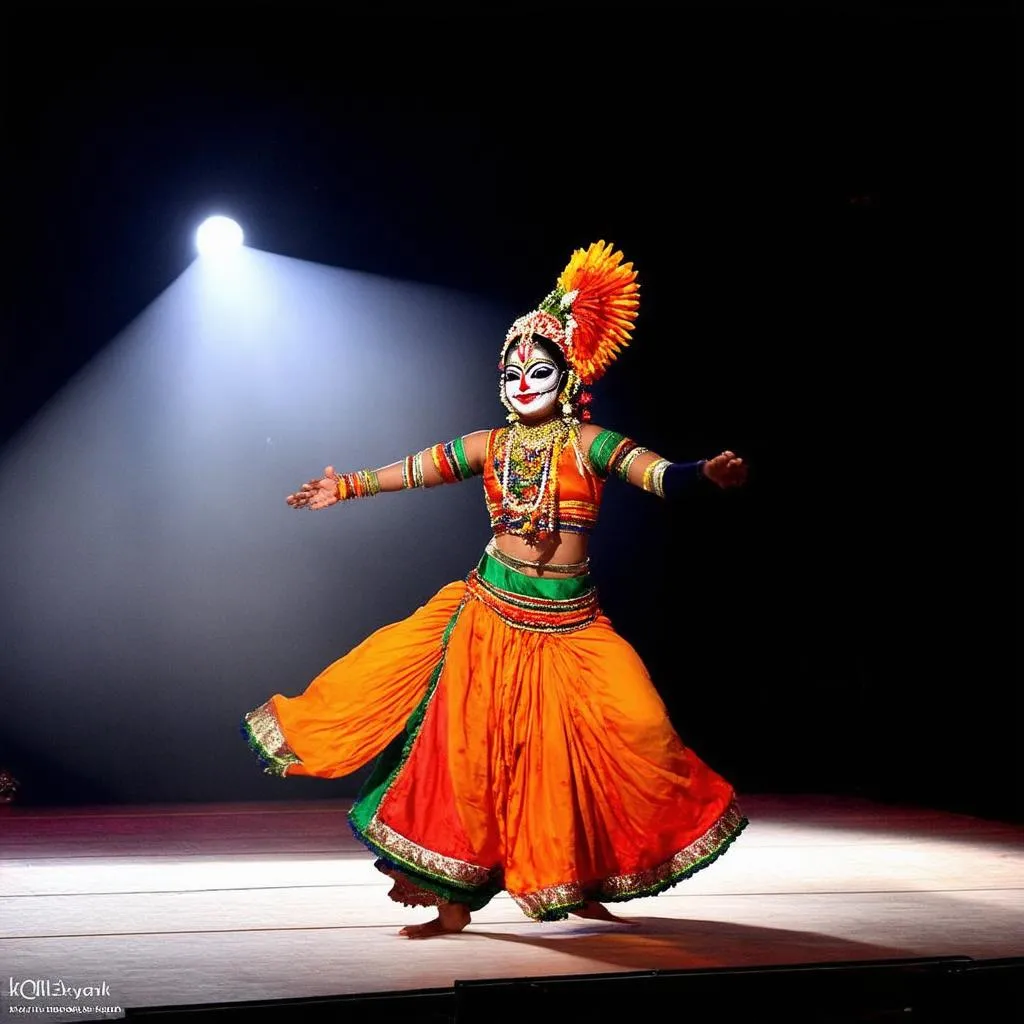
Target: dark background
{"x":818,"y":201}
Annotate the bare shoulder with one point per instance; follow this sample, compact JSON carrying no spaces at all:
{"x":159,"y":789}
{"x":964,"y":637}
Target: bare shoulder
{"x":589,"y":433}
{"x":475,"y":447}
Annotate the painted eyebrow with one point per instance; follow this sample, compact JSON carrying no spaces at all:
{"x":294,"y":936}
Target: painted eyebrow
{"x":532,"y":364}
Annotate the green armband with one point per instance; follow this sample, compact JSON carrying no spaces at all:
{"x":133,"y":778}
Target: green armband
{"x":601,"y":450}
{"x":613,"y":453}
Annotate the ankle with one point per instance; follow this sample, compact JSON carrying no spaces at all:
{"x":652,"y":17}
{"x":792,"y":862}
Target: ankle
{"x":453,"y":912}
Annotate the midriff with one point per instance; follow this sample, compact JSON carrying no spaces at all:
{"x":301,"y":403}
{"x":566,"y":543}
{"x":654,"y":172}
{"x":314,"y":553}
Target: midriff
{"x":559,"y":548}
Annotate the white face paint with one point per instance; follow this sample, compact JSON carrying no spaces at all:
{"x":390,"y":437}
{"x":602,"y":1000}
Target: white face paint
{"x":531,"y":379}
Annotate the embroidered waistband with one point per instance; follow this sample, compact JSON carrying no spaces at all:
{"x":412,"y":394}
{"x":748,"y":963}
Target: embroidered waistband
{"x":533,"y":603}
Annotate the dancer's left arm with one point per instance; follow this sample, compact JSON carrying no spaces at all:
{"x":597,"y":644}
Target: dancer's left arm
{"x":613,"y":453}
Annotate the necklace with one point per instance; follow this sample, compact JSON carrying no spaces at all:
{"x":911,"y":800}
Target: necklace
{"x":529,"y":475}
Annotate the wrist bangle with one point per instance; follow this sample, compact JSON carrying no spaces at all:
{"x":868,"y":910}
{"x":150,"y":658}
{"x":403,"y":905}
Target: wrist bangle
{"x":362,"y":484}
{"x":658,"y":477}
{"x":369,"y":484}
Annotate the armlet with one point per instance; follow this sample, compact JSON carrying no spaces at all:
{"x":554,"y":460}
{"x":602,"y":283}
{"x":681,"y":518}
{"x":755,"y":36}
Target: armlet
{"x":611,"y":452}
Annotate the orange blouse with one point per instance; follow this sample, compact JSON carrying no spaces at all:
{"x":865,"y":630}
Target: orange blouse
{"x":577,"y":496}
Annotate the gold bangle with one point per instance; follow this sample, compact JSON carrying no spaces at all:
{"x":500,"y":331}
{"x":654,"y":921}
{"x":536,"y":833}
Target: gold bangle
{"x":629,"y":459}
{"x":653,"y":476}
{"x":370,"y":482}
{"x":417,"y":470}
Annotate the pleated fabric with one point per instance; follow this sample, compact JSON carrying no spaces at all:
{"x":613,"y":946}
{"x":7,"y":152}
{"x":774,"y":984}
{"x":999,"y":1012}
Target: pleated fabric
{"x":520,"y":745}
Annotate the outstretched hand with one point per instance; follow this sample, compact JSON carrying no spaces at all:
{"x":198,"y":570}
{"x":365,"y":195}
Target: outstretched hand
{"x":726,"y":470}
{"x":316,"y":494}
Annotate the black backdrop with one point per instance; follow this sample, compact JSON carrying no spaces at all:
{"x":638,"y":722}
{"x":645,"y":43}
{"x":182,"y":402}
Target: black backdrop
{"x":817,"y":201}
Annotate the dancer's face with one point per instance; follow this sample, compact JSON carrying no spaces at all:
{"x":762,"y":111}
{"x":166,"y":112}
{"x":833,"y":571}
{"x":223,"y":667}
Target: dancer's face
{"x":532,"y":379}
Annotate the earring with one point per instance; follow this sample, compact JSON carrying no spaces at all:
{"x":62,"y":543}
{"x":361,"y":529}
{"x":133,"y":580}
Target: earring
{"x":566,"y":397}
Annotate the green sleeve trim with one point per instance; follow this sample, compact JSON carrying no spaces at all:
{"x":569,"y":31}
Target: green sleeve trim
{"x":602,"y":448}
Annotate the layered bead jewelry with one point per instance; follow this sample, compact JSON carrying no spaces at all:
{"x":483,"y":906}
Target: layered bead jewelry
{"x":529,"y":477}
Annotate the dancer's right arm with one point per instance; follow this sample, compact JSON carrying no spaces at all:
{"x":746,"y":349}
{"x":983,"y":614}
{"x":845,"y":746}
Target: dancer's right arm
{"x":447,"y":463}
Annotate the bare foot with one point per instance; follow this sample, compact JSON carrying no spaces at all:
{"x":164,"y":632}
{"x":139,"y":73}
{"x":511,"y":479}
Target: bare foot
{"x":598,"y":912}
{"x":451,"y":917}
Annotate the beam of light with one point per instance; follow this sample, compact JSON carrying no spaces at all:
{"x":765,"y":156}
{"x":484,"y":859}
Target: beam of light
{"x":257,"y":369}
{"x":218,"y":236}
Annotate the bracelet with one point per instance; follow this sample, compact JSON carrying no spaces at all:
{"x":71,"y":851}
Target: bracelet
{"x":439,"y":455}
{"x":362,"y":484}
{"x":628,"y":459}
{"x":658,"y":477}
{"x":451,"y":462}
{"x":654,"y":476}
{"x":412,"y":471}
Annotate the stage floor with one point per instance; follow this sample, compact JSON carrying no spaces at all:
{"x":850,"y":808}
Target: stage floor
{"x":196,"y":904}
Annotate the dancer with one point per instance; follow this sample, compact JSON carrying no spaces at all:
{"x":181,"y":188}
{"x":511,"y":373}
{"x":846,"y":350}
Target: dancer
{"x":520,"y":744}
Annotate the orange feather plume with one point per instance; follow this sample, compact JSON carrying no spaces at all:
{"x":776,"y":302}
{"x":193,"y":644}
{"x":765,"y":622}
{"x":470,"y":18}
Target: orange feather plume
{"x":603,"y":310}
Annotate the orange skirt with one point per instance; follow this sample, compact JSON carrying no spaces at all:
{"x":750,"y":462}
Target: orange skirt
{"x":520,"y":746}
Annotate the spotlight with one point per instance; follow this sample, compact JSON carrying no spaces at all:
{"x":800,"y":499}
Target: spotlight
{"x":217,"y":236}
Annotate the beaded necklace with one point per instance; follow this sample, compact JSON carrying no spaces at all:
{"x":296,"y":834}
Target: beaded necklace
{"x":529,"y":475}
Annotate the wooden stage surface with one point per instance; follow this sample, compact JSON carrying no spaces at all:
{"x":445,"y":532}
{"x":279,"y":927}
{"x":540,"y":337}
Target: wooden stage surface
{"x":196,"y":904}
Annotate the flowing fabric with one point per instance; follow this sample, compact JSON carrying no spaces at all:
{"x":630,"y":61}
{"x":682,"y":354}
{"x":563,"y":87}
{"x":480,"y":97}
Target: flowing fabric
{"x":520,"y":746}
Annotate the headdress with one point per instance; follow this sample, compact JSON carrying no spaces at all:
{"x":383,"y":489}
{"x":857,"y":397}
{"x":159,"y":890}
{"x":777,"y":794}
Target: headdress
{"x":589,"y":316}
